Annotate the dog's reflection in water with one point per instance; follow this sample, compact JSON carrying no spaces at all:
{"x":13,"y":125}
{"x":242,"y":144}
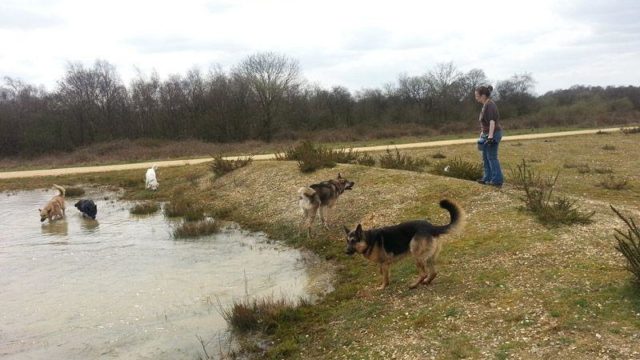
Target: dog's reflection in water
{"x":89,"y":225}
{"x":55,"y":228}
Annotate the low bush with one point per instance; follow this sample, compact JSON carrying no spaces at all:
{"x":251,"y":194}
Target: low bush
{"x":263,"y":314}
{"x":145,"y":208}
{"x":179,"y":206}
{"x":612,"y":183}
{"x":629,"y":244}
{"x":220,"y":166}
{"x":459,"y":168}
{"x":192,"y":229}
{"x":396,"y":160}
{"x":548,"y":209}
{"x":74,"y":191}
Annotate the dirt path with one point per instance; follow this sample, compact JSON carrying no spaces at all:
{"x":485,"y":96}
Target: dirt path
{"x":145,"y":165}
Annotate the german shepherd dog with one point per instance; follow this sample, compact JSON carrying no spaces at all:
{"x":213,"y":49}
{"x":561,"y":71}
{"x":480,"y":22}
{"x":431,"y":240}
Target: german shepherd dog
{"x":386,"y":245}
{"x":54,"y":209}
{"x":322,"y":197}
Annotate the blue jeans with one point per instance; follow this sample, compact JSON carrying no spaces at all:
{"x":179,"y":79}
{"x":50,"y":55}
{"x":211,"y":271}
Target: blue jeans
{"x":492,"y":170}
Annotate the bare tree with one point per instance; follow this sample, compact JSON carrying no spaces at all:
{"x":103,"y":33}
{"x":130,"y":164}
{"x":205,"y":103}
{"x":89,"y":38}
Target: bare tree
{"x":270,"y":76}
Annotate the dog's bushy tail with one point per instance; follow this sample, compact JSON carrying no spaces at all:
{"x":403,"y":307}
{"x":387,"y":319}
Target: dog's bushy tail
{"x":63,"y":192}
{"x":306,"y":192}
{"x":457,"y":218}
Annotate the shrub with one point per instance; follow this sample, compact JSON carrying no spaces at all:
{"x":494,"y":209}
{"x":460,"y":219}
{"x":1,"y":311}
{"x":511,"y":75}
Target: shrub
{"x":220,"y":166}
{"x":366,"y":160}
{"x":612,"y":183}
{"x":603,"y":170}
{"x":629,"y":244}
{"x":458,"y":168}
{"x":179,"y":206}
{"x":631,"y":130}
{"x":148,"y":207}
{"x":583,"y":169}
{"x":74,"y":191}
{"x":539,"y":199}
{"x":309,"y":156}
{"x":192,"y":229}
{"x":259,"y":314}
{"x":391,"y":160}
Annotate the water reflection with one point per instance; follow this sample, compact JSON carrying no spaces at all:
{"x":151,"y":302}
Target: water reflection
{"x":89,"y":225}
{"x":55,"y":228}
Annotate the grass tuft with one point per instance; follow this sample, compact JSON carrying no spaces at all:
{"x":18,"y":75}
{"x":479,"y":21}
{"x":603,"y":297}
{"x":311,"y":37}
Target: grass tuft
{"x":629,"y":244}
{"x":180,"y":206}
{"x":145,"y":208}
{"x":396,"y":160}
{"x":264,"y":314}
{"x":539,"y":199}
{"x":220,"y":166}
{"x":458,"y":168}
{"x":612,"y":183}
{"x":192,"y":229}
{"x":74,"y":191}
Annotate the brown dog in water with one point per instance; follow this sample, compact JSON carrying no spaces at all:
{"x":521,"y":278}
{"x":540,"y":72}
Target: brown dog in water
{"x":55,"y":207}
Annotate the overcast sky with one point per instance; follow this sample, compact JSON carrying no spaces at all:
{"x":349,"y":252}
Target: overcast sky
{"x":357,"y":44}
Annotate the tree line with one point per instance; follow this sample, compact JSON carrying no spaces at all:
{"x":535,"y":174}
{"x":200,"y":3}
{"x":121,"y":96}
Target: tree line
{"x":265,"y":97}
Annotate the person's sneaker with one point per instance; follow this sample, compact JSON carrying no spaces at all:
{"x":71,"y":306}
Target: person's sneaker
{"x":481,"y":181}
{"x":494,"y":185}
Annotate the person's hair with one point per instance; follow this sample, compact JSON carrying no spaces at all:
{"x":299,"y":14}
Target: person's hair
{"x":484,"y":90}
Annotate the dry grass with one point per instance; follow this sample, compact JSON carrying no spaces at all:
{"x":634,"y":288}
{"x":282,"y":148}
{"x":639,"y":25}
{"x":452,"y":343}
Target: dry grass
{"x":193,"y":229}
{"x":145,"y":208}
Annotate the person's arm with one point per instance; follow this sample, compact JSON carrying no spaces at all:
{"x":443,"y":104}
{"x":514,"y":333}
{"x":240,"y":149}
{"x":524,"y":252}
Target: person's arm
{"x":492,"y":128}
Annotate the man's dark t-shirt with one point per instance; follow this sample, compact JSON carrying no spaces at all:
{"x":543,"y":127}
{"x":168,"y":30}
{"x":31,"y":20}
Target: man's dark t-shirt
{"x":489,"y":112}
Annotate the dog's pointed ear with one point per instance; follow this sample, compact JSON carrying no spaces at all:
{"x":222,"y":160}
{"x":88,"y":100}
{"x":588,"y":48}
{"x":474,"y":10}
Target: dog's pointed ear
{"x":39,"y":209}
{"x":346,"y":229}
{"x":359,"y":230}
{"x":339,"y":176}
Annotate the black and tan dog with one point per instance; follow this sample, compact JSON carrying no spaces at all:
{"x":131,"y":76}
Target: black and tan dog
{"x":320,"y":198}
{"x":88,"y":208}
{"x":386,"y":245}
{"x":55,"y":208}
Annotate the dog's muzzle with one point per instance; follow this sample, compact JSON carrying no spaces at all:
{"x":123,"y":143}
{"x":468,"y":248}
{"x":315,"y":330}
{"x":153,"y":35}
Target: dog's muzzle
{"x":349,"y":186}
{"x":42,"y":219}
{"x":350,"y":251}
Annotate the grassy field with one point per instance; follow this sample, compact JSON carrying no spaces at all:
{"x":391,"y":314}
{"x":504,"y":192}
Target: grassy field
{"x":507,"y":287}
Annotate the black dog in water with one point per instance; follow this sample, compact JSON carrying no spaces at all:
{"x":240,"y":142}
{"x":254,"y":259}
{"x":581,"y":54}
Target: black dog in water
{"x":88,"y":208}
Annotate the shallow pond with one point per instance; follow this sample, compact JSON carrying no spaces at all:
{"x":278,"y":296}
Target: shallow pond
{"x":121,"y":287}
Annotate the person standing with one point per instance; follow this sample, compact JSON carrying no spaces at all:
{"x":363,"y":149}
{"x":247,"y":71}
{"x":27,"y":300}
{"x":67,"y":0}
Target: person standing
{"x":490,"y":137}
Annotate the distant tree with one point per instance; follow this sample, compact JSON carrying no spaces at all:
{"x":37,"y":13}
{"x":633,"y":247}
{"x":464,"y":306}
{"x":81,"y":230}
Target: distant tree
{"x":269,"y":76}
{"x":516,"y":93}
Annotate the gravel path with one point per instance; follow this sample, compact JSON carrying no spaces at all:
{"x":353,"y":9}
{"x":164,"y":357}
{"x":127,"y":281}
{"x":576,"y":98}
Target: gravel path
{"x":145,"y":165}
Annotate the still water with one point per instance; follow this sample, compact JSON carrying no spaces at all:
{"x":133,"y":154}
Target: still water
{"x":121,"y":287}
